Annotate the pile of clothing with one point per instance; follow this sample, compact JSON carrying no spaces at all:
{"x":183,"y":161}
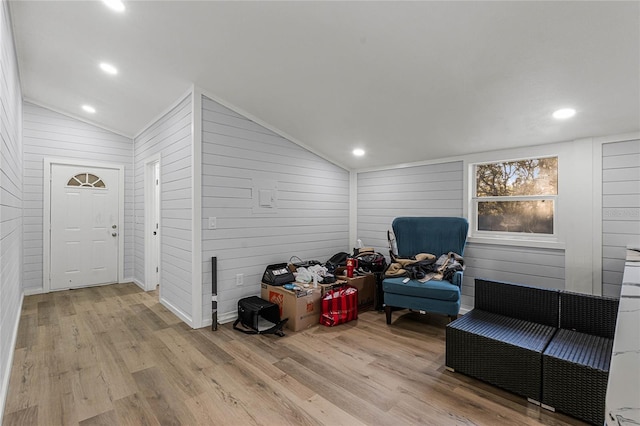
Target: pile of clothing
{"x":314,"y":273}
{"x":425,"y":266}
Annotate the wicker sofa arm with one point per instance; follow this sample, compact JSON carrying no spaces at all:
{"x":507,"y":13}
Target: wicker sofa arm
{"x":589,"y":314}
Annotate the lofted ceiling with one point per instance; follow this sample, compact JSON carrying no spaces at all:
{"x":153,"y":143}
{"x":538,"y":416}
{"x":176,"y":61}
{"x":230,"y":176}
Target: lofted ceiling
{"x":406,"y":81}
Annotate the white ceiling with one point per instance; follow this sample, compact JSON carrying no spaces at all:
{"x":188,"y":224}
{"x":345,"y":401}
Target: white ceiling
{"x":406,"y":81}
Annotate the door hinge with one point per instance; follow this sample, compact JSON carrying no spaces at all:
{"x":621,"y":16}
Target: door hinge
{"x":156,"y":269}
{"x":157,"y":182}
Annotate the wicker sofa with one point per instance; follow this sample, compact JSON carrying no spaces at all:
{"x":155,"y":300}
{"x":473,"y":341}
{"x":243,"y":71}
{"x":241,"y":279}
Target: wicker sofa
{"x":550,"y":346}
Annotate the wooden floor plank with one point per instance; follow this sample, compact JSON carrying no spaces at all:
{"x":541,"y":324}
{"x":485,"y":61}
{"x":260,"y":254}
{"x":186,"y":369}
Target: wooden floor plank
{"x":134,"y":410}
{"x":115,"y":355}
{"x":26,"y":416}
{"x":162,"y":397}
{"x":64,"y":304}
{"x":342,"y":398}
{"x":90,"y":392}
{"x":27,"y":330}
{"x":104,"y":419}
{"x":24,"y":381}
{"x":56,"y":401}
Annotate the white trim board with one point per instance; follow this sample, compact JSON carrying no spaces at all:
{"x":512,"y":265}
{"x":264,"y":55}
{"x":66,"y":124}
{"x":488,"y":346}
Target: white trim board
{"x":177,"y":312}
{"x":136,"y":282}
{"x":4,"y":391}
{"x":46,"y":214}
{"x":163,"y":113}
{"x":196,"y":210}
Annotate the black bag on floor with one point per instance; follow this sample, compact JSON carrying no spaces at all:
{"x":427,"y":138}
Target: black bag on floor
{"x":259,"y":316}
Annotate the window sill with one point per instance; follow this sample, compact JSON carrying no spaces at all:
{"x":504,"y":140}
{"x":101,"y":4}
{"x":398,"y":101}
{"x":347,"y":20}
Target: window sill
{"x":517,"y":242}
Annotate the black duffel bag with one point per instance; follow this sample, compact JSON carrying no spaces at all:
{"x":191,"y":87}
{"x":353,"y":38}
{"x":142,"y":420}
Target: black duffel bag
{"x":259,"y":316}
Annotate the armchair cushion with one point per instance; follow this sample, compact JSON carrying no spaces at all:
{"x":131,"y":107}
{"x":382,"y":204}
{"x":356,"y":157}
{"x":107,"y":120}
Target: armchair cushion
{"x":439,"y":290}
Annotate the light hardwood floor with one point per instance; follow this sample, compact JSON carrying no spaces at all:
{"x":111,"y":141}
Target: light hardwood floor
{"x":113,"y":355}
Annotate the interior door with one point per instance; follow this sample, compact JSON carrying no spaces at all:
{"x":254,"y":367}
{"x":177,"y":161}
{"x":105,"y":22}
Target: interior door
{"x":155,"y":224}
{"x":84,"y":226}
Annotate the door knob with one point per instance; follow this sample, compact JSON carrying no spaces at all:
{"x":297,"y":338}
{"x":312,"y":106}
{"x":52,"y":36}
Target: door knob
{"x":114,"y":234}
{"x":155,"y":233}
{"x":114,"y":226}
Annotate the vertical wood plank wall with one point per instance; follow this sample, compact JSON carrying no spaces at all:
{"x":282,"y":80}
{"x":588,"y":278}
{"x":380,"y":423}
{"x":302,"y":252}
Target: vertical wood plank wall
{"x":310,"y":218}
{"x":11,"y":198}
{"x":620,"y":209}
{"x":171,"y":137}
{"x":50,"y":134}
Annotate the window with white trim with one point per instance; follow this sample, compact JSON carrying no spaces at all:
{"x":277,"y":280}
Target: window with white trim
{"x":86,"y":180}
{"x":515,"y":198}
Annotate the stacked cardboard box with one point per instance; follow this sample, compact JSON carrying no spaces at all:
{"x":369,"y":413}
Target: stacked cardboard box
{"x":301,"y":307}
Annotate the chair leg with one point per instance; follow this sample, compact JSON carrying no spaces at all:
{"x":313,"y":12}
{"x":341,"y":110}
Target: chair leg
{"x":387,"y":311}
{"x":452,"y":318}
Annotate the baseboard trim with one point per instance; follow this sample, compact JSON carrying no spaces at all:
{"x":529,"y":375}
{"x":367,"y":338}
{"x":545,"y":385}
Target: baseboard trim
{"x":177,"y":312}
{"x":32,"y":291}
{"x":7,"y":368}
{"x":136,"y":282}
{"x":222,"y":319}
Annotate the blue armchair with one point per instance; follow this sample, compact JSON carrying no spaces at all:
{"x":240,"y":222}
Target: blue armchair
{"x":435,"y":235}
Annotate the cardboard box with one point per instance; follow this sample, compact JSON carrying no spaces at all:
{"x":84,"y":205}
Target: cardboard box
{"x":302,"y":308}
{"x":366,"y":285}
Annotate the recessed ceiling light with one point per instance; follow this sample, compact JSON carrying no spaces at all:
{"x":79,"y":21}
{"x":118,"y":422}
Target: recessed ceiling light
{"x":108,"y":68}
{"x":358,"y":152}
{"x":563,"y":113}
{"x":116,"y":5}
{"x":89,"y":109}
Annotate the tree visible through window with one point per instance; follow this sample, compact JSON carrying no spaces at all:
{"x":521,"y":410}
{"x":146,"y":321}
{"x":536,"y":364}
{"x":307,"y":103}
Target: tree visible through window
{"x":517,"y":196}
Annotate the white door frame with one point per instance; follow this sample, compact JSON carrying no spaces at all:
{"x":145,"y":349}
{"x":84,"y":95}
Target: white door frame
{"x":149,"y":206}
{"x":46,"y":213}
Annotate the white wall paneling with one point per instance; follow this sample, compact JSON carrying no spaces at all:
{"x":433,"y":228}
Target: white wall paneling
{"x":423,"y":190}
{"x":539,"y":267}
{"x":48,"y":134}
{"x":620,"y":209}
{"x":11,"y":201}
{"x":170,"y":139}
{"x":310,"y":218}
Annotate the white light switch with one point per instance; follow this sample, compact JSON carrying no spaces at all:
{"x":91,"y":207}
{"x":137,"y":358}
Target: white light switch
{"x":212,"y":223}
{"x":266,"y":198}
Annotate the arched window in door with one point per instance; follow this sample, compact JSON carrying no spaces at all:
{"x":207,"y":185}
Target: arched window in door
{"x":87,"y":180}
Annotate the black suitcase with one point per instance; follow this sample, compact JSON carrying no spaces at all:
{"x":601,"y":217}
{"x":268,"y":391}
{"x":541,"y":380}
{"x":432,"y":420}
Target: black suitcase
{"x":259,"y":316}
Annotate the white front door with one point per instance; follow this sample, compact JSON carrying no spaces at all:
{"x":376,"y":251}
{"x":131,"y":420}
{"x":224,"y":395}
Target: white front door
{"x":84,"y":226}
